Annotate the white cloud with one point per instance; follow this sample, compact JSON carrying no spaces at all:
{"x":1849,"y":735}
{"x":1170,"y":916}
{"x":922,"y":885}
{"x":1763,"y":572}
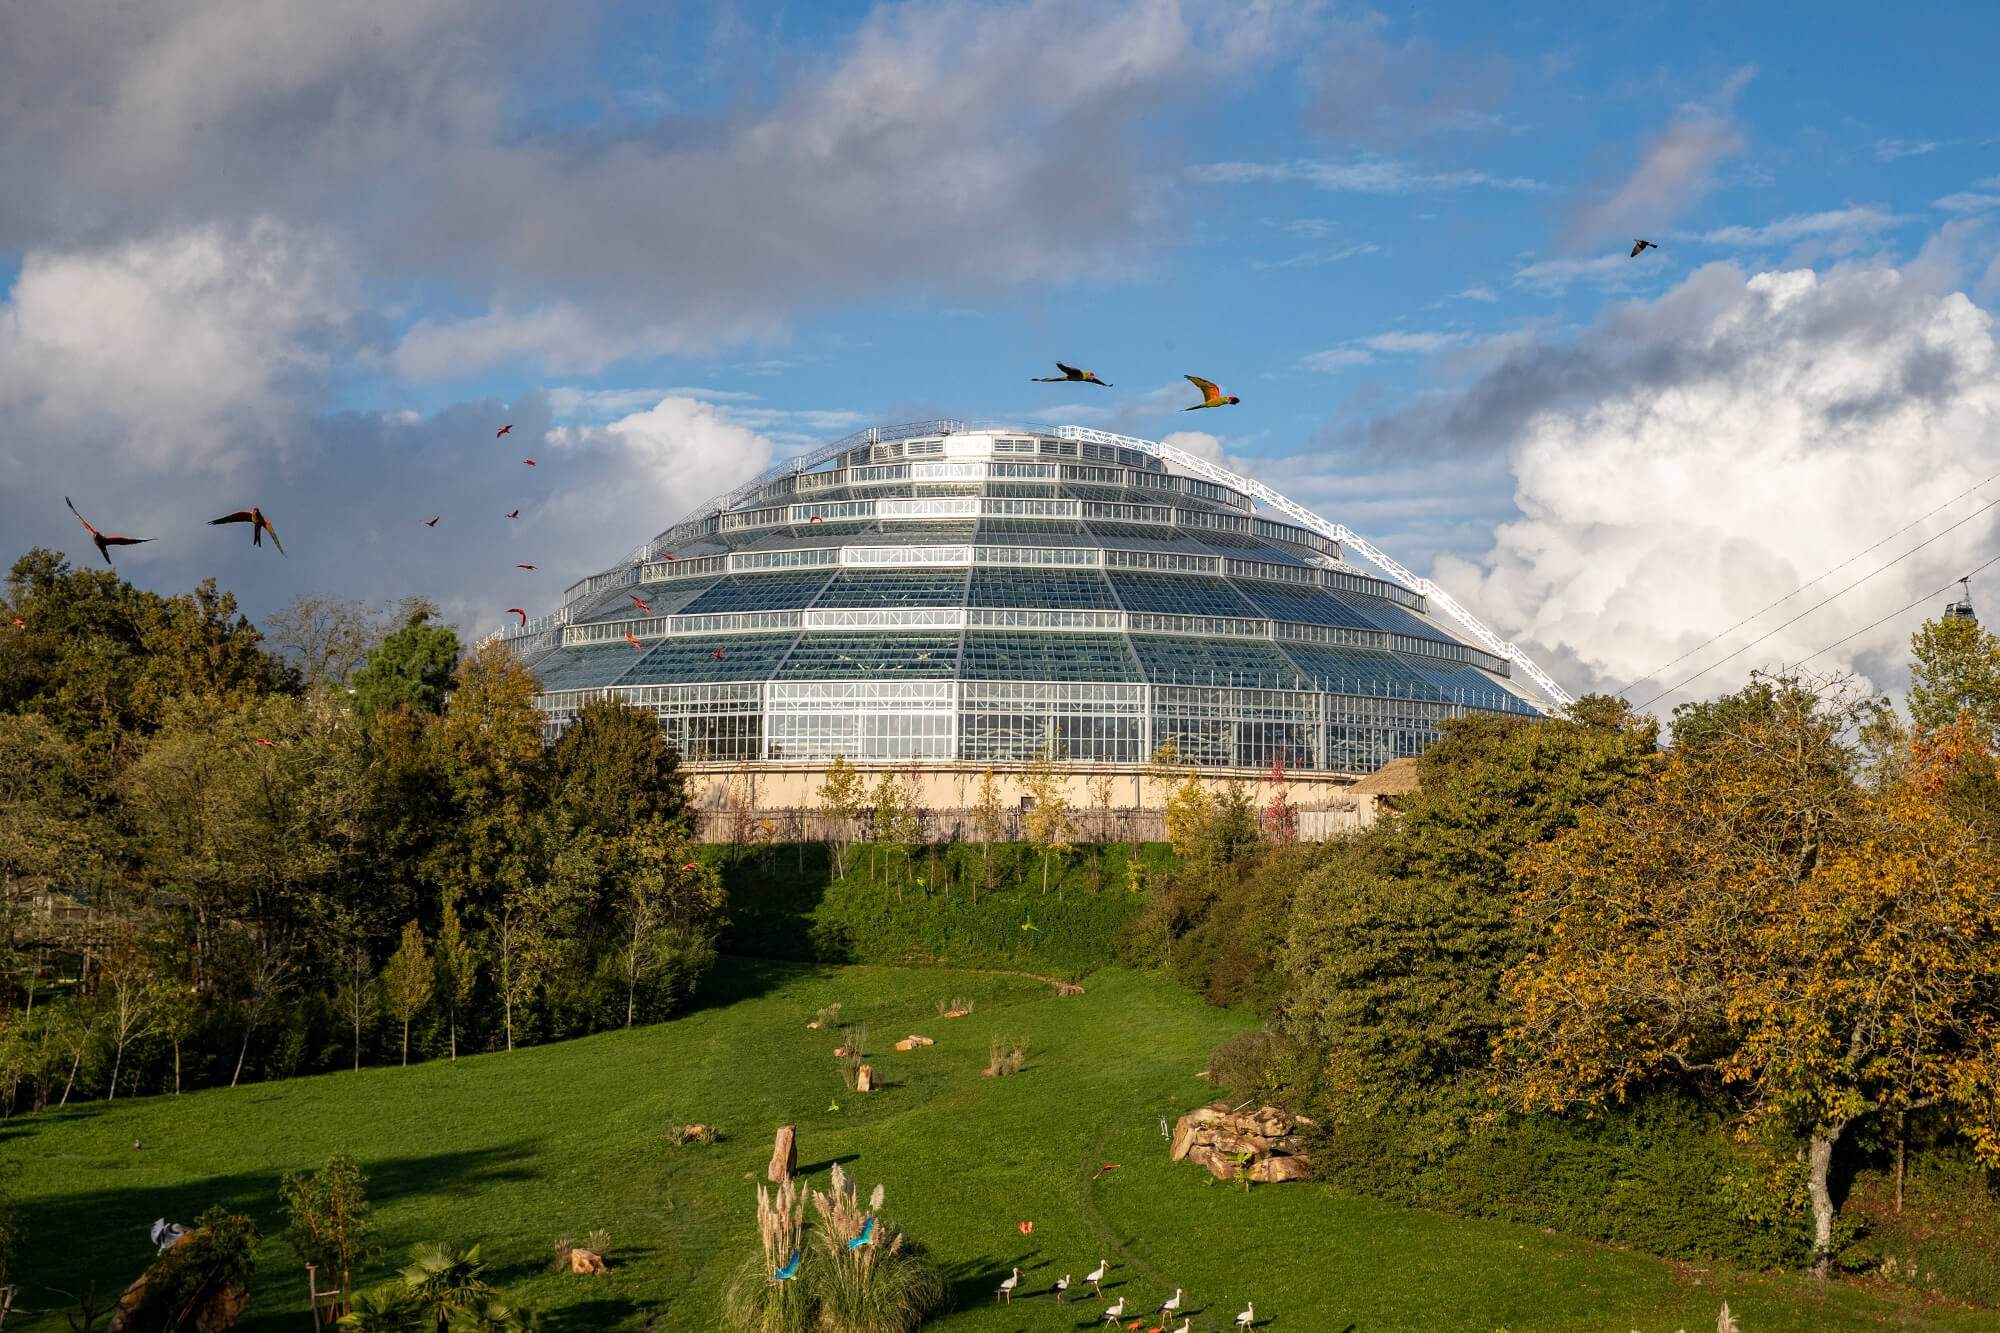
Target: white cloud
{"x":1888,"y":150}
{"x":1317,"y":258}
{"x":171,"y":340}
{"x":1853,"y":222}
{"x":1485,"y":294}
{"x":1395,"y":342}
{"x":1674,"y":172}
{"x":1967,"y":202}
{"x":1558,"y":275}
{"x":1361,"y":175}
{"x":1692,"y":458}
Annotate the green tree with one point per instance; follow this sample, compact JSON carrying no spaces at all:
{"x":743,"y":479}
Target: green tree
{"x":1048,"y":824}
{"x":407,"y":981}
{"x":841,"y":800}
{"x":329,"y":1218}
{"x":130,"y":998}
{"x":615,"y":770}
{"x":672,"y":903}
{"x":410,"y":668}
{"x":457,"y":967}
{"x":1955,"y":668}
{"x":989,"y":822}
{"x":325,"y":639}
{"x":1399,"y":939}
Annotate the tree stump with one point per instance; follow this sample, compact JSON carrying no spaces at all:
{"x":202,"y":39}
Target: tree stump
{"x":784,"y":1155}
{"x":864,"y":1079}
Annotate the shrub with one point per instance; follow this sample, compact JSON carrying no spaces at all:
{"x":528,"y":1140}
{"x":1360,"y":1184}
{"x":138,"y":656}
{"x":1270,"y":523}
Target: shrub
{"x":329,"y":1219}
{"x":1261,"y":1064}
{"x":208,"y":1271}
{"x":1005,"y":1057}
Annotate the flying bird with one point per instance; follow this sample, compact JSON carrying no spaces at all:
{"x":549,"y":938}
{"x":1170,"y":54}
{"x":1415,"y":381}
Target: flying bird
{"x":1070,"y":375}
{"x":515,"y":514}
{"x":503,"y":430}
{"x":104,"y":541}
{"x":1639,"y":247}
{"x":259,"y":525}
{"x":1107,"y":1167}
{"x":521,"y":612}
{"x":1026,"y":1227}
{"x":1007,"y":1285}
{"x":432,"y":521}
{"x":717,"y":654}
{"x":789,"y":1271}
{"x":1210,"y":395}
{"x":667,"y":555}
{"x":867,"y":1234}
{"x":813,"y":519}
{"x":529,"y":461}
{"x":524,"y":566}
{"x":635,"y":643}
{"x":640,"y":604}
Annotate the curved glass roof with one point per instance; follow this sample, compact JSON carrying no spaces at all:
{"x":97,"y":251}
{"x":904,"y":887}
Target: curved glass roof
{"x":972,"y":582}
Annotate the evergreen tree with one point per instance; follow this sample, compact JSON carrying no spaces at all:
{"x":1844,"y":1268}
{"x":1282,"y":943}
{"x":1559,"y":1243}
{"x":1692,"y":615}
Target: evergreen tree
{"x":411,"y":668}
{"x":1955,"y":669}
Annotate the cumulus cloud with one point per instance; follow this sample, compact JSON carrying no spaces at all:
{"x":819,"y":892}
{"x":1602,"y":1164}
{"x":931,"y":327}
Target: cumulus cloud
{"x":174,"y":340}
{"x":1673,"y":173}
{"x":1689,"y":459}
{"x":897,"y":161}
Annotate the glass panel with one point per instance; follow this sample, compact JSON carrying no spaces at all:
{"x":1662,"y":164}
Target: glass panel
{"x":833,"y":655}
{"x":1002,"y":655}
{"x":744,"y":657}
{"x":1219,"y":662}
{"x":1039,"y":588}
{"x":1172,"y":595}
{"x":872,"y":588}
{"x":759,"y":592}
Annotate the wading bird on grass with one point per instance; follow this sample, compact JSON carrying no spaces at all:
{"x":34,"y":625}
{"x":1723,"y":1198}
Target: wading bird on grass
{"x":1115,"y":1311}
{"x":1070,"y":375}
{"x":259,"y":525}
{"x":1007,"y":1285}
{"x":1062,"y":1288}
{"x":1639,"y":247}
{"x":104,"y":541}
{"x":1210,"y":395}
{"x":1249,"y":1315}
{"x":1170,"y":1308}
{"x":1095,"y":1277}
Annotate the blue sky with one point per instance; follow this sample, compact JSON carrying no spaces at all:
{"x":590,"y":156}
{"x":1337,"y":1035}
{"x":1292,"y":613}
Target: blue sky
{"x":311,"y":258}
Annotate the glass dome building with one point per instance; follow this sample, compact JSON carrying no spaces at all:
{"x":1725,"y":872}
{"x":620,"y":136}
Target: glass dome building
{"x":953,"y":593}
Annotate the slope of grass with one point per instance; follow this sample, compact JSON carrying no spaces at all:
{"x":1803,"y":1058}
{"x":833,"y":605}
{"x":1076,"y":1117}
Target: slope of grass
{"x":511,"y":1149}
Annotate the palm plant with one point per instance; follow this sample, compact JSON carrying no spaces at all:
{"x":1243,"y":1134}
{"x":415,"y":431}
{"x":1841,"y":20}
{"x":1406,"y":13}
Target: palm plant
{"x":383,"y":1309}
{"x":443,"y":1281}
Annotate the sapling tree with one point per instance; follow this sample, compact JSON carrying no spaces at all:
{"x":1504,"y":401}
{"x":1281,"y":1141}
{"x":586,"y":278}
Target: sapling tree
{"x":408,"y":980}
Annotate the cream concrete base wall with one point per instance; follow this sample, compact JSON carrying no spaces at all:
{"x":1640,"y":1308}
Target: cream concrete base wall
{"x":947,"y":786}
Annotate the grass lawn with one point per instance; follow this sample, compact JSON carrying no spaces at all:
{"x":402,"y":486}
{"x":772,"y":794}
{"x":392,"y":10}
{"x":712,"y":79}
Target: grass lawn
{"x":510,"y":1149}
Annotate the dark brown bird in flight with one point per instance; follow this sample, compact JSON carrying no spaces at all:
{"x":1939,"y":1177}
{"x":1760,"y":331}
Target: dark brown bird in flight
{"x":521,"y":612}
{"x":524,"y":566}
{"x":1639,"y":246}
{"x":102,"y":541}
{"x":515,"y":514}
{"x":635,"y":643}
{"x":432,"y":521}
{"x":503,"y":430}
{"x":259,"y":525}
{"x":1210,"y":395}
{"x":1070,"y":375}
{"x":641,"y":605}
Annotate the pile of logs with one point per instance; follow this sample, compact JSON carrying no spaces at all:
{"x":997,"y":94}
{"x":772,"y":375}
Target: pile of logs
{"x":1266,"y":1139}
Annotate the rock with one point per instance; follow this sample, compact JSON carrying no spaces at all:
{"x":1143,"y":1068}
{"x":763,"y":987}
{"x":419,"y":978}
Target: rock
{"x":1218,"y":1166}
{"x":1183,"y":1138}
{"x":956,"y":1013}
{"x":784,"y":1155}
{"x":1274,"y":1169}
{"x":864,"y":1079}
{"x":911,"y":1042}
{"x":586,"y":1261}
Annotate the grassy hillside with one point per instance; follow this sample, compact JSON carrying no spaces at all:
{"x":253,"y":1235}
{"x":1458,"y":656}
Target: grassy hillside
{"x":509,"y":1150}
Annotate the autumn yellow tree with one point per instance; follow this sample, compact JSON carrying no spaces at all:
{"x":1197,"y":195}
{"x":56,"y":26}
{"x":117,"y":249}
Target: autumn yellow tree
{"x":1048,"y":824}
{"x":1751,"y":918}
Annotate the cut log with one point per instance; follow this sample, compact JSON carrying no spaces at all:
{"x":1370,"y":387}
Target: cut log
{"x":1218,"y":1166}
{"x":1274,"y":1169}
{"x":864,"y":1079}
{"x":913,"y":1041}
{"x":784,"y":1155}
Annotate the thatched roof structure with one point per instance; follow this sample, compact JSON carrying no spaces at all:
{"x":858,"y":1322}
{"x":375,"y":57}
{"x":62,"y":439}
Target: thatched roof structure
{"x":1394,"y":779}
